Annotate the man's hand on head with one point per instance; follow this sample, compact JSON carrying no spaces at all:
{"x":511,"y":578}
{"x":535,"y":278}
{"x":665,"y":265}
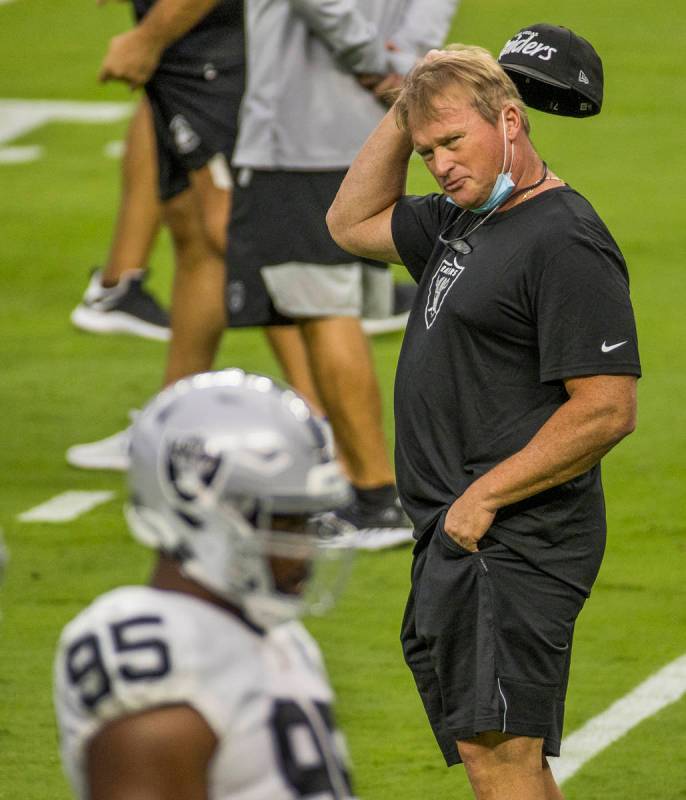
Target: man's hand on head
{"x":387,"y":88}
{"x":432,"y":55}
{"x":369,"y":80}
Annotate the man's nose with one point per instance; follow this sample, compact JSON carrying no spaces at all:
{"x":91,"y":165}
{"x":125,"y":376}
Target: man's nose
{"x":443,"y":162}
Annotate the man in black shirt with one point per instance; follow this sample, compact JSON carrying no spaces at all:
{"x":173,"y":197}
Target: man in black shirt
{"x":517,"y":374}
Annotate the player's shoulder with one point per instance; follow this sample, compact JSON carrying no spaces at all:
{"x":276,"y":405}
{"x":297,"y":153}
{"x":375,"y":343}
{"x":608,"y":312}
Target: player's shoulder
{"x":112,"y":603}
{"x":136,"y":602}
{"x":294,"y":634}
{"x":137,"y":647}
{"x":137,"y":622}
{"x":304,"y":653}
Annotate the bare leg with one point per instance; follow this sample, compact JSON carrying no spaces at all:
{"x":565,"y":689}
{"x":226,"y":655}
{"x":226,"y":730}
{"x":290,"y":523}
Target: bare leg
{"x":343,"y":371}
{"x":504,"y":767}
{"x":139,"y":215}
{"x":214,"y":203}
{"x":289,"y":348}
{"x":198,"y":316}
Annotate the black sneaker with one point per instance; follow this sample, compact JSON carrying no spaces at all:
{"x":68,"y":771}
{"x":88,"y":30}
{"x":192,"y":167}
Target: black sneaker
{"x":124,"y":308}
{"x":403,"y":298}
{"x":378,"y":525}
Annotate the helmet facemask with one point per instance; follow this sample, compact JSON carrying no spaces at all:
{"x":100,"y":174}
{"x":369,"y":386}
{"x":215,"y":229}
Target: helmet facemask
{"x":289,"y":566}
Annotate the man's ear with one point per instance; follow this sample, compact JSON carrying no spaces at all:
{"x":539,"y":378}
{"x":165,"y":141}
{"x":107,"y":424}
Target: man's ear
{"x":513,"y":120}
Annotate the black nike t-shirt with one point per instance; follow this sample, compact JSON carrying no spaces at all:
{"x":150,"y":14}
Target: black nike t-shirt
{"x":215,"y":42}
{"x":543,"y":296}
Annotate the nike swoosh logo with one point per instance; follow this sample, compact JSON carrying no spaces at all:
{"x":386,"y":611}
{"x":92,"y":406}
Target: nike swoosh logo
{"x":606,"y":348}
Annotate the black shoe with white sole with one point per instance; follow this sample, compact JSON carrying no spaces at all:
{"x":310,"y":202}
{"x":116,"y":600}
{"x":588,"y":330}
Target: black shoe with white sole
{"x":124,"y":308}
{"x":379,"y":522}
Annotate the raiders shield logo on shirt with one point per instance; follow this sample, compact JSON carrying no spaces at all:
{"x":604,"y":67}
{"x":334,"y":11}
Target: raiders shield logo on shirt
{"x":443,"y":279}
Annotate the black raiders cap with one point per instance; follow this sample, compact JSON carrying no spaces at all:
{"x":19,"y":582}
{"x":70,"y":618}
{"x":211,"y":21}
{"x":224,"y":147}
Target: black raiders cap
{"x":555,"y":70}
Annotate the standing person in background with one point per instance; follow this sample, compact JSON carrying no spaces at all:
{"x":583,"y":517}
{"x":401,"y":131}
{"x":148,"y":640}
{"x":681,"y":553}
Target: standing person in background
{"x":318,"y":73}
{"x":203,"y":684}
{"x":190,"y":56}
{"x":517,"y":375}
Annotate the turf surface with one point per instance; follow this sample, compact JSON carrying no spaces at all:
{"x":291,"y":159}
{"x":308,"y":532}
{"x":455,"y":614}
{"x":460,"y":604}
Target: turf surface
{"x":60,"y":387}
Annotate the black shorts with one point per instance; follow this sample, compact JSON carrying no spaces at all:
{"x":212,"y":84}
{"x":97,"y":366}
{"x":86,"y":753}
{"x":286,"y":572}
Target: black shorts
{"x":282,"y":264}
{"x":195,"y":113}
{"x":488,"y":638}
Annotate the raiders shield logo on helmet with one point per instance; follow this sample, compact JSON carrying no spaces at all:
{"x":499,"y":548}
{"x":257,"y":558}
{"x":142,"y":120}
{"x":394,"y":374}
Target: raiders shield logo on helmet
{"x":190,"y":468}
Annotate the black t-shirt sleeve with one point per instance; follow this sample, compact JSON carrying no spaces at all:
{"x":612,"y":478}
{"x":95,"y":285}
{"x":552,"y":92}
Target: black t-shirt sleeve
{"x":415,"y":225}
{"x":585,"y":319}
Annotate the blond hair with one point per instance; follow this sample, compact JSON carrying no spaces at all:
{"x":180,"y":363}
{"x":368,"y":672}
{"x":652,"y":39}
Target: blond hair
{"x":467,"y":67}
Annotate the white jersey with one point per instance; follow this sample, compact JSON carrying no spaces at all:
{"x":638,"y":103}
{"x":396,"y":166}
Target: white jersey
{"x":266,"y":696}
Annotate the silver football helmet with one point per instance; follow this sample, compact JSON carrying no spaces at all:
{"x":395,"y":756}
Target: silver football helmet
{"x":228,"y":474}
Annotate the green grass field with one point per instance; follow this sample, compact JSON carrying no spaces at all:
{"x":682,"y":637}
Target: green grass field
{"x":59,"y":387}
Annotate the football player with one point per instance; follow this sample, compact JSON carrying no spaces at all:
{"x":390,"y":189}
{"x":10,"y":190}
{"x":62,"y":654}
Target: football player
{"x":203,"y":684}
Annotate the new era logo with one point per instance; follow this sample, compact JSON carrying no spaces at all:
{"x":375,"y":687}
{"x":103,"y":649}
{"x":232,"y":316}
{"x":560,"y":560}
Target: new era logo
{"x":582,"y":77}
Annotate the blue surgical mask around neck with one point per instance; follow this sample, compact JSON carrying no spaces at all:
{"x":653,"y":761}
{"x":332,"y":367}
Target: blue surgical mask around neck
{"x":503,"y":186}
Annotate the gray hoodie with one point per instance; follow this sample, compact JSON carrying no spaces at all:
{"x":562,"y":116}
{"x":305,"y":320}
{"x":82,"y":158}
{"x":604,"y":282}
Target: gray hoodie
{"x":303,"y":108}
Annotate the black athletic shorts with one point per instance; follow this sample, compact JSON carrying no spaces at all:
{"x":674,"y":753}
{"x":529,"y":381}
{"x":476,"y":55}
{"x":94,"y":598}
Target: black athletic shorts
{"x":195,"y":113}
{"x":488,"y":638}
{"x":278,"y":230}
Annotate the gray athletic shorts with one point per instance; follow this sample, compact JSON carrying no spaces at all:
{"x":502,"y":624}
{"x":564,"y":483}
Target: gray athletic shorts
{"x":488,"y":638}
{"x":283,"y":265}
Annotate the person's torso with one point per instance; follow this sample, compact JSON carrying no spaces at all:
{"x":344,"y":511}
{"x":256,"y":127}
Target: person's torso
{"x":303,"y":109}
{"x":266,"y":696}
{"x":469,"y":386}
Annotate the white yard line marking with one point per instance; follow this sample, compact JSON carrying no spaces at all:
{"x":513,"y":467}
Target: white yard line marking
{"x":18,"y":117}
{"x":114,"y":149}
{"x":20,"y":155}
{"x":659,"y":690}
{"x":65,"y":507}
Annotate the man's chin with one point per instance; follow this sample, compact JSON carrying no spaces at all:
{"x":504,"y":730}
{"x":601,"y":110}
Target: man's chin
{"x":462,"y":199}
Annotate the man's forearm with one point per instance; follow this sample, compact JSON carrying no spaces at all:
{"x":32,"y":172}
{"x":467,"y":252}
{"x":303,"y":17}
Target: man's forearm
{"x":374,"y":182}
{"x":572,"y":441}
